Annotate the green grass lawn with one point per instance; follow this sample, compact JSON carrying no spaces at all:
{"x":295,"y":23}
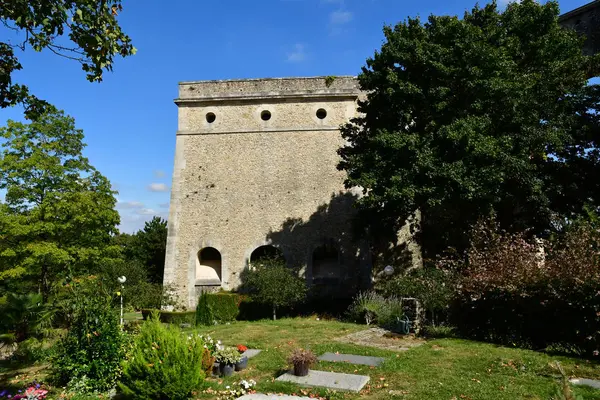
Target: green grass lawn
{"x":439,"y":369}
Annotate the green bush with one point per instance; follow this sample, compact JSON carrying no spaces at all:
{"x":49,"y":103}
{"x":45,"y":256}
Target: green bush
{"x":204,"y":314}
{"x":172,"y":317}
{"x":370,"y":307}
{"x":178,"y":317}
{"x":433,"y":287}
{"x":24,"y":316}
{"x":164,"y":363}
{"x":220,"y":307}
{"x":90,"y":354}
{"x":440,"y":331}
{"x":270,"y":281}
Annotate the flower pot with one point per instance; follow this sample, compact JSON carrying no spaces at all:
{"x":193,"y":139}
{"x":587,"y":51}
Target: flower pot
{"x":242,"y":364}
{"x":216,"y":369}
{"x":301,"y":369}
{"x":227,"y":369}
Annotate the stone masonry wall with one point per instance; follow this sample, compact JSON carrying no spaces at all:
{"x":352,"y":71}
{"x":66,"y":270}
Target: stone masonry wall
{"x":240,"y":182}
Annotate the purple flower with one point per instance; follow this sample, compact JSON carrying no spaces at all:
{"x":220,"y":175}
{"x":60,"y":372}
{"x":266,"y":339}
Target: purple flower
{"x":37,"y":385}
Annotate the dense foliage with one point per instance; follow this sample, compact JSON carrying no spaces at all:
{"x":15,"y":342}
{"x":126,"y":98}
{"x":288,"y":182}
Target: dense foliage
{"x":164,"y":363}
{"x":463,"y":117}
{"x":513,"y":292}
{"x":270,"y":281}
{"x":372,"y":308}
{"x":94,"y":34}
{"x":58,"y":213}
{"x":433,"y":287}
{"x":219,"y":307}
{"x":146,"y":247}
{"x":89,"y":356}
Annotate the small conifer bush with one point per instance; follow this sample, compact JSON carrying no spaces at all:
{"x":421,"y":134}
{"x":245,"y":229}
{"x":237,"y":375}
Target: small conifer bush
{"x":164,"y":363}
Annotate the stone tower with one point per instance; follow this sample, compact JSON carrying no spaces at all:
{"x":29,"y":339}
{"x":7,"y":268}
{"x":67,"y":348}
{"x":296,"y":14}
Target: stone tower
{"x":255,"y":173}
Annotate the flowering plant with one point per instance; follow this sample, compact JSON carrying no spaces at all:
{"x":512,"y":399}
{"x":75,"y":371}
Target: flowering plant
{"x":228,"y":355}
{"x":234,"y":391}
{"x":33,"y":392}
{"x":209,"y":343}
{"x":241,"y":348}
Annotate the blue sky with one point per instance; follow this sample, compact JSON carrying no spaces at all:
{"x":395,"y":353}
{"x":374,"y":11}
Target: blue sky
{"x":130,"y":119}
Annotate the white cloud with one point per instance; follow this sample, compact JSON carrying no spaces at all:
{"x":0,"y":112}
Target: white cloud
{"x":340,"y":17}
{"x":129,"y":205}
{"x":131,"y":223}
{"x":158,"y":187}
{"x":146,"y":211}
{"x":298,"y":55}
{"x":159,"y":174}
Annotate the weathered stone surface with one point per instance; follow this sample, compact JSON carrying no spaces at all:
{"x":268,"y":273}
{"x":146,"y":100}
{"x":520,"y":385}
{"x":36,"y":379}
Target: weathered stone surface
{"x":260,"y":396}
{"x":241,"y":182}
{"x":585,"y":382}
{"x":251,"y":353}
{"x":352,"y":359}
{"x":331,"y":380}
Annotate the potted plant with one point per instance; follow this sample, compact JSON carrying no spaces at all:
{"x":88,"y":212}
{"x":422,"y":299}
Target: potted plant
{"x":227,"y":358}
{"x":243,"y":363}
{"x":302,"y":359}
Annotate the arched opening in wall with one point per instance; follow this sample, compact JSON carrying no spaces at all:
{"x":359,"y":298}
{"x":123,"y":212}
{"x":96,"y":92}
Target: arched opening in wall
{"x":208,"y":267}
{"x":267,"y":251}
{"x":326,"y":264}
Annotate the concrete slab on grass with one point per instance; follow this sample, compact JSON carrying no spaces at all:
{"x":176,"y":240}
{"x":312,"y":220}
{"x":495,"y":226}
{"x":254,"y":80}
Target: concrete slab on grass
{"x":585,"y":382}
{"x":251,"y":353}
{"x":260,"y":396}
{"x":352,"y":359}
{"x":331,"y":380}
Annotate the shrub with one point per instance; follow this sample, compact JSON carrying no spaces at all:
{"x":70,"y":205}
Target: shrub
{"x":178,"y":317}
{"x":164,"y":363}
{"x":510,"y":294}
{"x":433,"y":287}
{"x":24,"y":316}
{"x":366,"y":307}
{"x":390,"y":313}
{"x":217,"y":307}
{"x":270,"y":281}
{"x":439,"y":331}
{"x":227,"y":355}
{"x":90,"y":354}
{"x":302,"y":356}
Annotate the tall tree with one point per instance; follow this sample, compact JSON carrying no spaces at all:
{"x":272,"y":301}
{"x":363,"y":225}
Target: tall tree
{"x":147,"y":247}
{"x":467,"y":117}
{"x":152,"y":246}
{"x":58,"y":215}
{"x":95,"y":38}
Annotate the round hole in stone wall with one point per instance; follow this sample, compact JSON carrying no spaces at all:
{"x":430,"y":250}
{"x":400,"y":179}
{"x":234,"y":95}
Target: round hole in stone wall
{"x":265,"y":115}
{"x":321,"y":113}
{"x":210,"y":117}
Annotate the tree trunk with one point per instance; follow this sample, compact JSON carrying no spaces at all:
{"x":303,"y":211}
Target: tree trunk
{"x":44,"y":283}
{"x":274,"y":315}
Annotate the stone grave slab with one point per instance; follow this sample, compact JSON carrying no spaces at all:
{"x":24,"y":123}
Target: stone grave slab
{"x":352,"y":359}
{"x":331,"y":380}
{"x":585,"y":382}
{"x":251,"y":353}
{"x":260,"y":396}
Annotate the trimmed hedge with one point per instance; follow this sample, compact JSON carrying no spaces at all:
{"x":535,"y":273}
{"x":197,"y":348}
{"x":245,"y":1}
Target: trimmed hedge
{"x":173,"y":317}
{"x":220,"y":307}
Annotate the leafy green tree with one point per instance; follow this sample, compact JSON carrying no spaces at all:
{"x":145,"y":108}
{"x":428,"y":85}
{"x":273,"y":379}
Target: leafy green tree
{"x":152,"y":247}
{"x":95,"y":38}
{"x":147,"y":246}
{"x":58,"y":214}
{"x":270,"y":281}
{"x":491,"y":113}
